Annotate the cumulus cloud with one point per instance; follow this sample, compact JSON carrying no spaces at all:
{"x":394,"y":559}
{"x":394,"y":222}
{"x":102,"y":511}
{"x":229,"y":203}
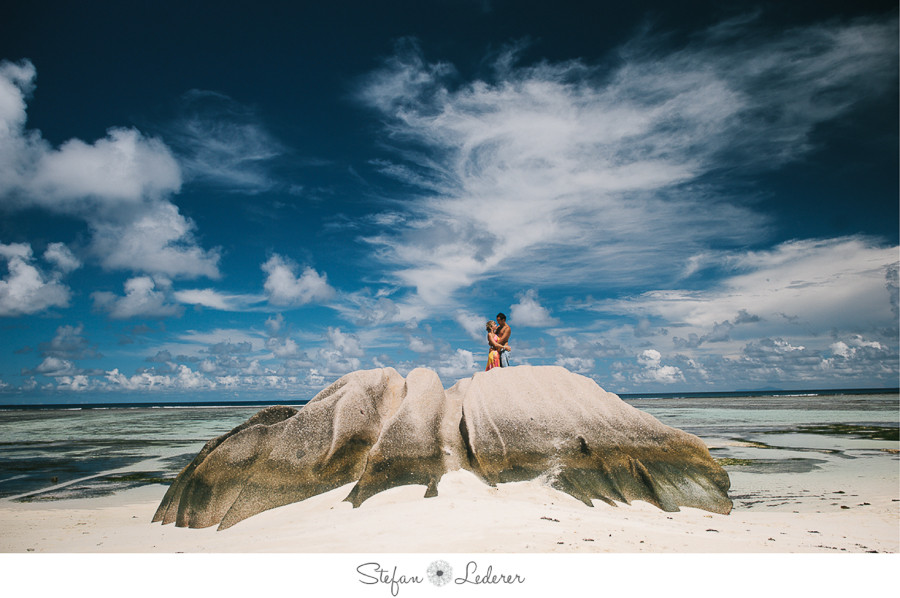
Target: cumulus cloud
{"x":54,"y":366}
{"x":156,"y":239}
{"x":348,"y":345}
{"x":29,"y":289}
{"x":653,"y":371}
{"x":581,"y":365}
{"x":284,"y":348}
{"x":62,"y":257}
{"x":66,"y":347}
{"x":77,"y":383}
{"x":529,"y":312}
{"x":119,"y":185}
{"x":69,"y":342}
{"x":284,"y":287}
{"x":457,"y":365}
{"x":121,"y":169}
{"x":340,"y":354}
{"x":184,"y":379}
{"x":557,"y":173}
{"x":141,"y":299}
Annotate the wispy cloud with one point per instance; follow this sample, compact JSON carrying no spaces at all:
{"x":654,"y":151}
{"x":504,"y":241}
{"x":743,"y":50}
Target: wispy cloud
{"x":218,"y":300}
{"x":223,"y":143}
{"x":557,"y":173}
{"x":841,"y":284}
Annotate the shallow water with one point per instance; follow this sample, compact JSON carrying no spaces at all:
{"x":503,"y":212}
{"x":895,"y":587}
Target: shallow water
{"x":55,"y":454}
{"x":830,"y":446}
{"x":51,"y":454}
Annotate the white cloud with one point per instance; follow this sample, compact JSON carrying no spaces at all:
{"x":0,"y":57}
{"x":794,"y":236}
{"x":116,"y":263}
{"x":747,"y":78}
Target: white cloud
{"x":341,"y":354}
{"x":812,"y":281}
{"x":184,"y":379}
{"x":119,"y":185}
{"x":561,"y":173}
{"x":123,"y":168}
{"x":218,"y":300}
{"x":366,"y":308}
{"x":157,"y":239}
{"x":284,"y":347}
{"x":529,"y":312}
{"x":69,"y":343}
{"x":284,"y":287}
{"x":60,"y":353}
{"x":473,"y":324}
{"x":77,"y":383}
{"x":418,"y":345}
{"x":580,"y":365}
{"x":62,"y":257}
{"x":459,"y":364}
{"x":654,"y":372}
{"x":54,"y":366}
{"x":26,"y":289}
{"x":274,"y":324}
{"x":347,"y":344}
{"x":221,"y":142}
{"x":856,"y":344}
{"x":142,"y":299}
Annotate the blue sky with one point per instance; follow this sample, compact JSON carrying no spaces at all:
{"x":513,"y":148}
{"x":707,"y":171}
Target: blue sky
{"x":249,"y":200}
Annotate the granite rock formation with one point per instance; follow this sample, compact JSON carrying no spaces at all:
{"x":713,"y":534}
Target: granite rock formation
{"x":379,"y":430}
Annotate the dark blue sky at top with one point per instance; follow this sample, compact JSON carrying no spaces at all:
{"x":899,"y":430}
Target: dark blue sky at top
{"x":297,"y":64}
{"x":296,"y":72}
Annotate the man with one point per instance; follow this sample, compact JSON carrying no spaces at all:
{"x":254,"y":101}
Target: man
{"x":503,"y":332}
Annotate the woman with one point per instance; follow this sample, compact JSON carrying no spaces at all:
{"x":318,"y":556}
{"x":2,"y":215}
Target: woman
{"x":493,"y":353}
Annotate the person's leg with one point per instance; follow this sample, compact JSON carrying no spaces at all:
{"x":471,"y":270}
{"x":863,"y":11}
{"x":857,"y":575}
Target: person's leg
{"x":504,"y":359}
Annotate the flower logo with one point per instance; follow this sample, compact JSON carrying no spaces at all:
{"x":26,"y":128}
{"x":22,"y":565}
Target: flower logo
{"x":440,"y":573}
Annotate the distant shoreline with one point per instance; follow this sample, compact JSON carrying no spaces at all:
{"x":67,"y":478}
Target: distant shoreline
{"x":817,"y":392}
{"x":217,"y":403}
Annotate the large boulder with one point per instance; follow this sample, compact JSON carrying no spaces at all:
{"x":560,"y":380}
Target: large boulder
{"x":525,"y":422}
{"x":379,"y":430}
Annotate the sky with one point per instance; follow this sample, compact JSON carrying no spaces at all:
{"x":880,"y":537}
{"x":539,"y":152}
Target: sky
{"x":246,"y":201}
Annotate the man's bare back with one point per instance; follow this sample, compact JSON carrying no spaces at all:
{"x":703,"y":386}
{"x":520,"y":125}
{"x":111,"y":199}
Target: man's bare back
{"x":503,"y":334}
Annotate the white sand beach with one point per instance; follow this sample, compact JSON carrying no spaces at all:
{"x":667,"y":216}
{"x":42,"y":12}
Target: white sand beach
{"x":470,"y":517}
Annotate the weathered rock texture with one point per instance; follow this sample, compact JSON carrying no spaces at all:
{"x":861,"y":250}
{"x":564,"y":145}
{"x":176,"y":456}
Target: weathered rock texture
{"x":380,"y":430}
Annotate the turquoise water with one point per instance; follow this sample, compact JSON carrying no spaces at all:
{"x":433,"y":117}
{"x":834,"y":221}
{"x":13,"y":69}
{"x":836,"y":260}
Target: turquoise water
{"x":56,"y":454}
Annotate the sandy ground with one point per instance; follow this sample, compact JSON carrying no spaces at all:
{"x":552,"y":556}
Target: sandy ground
{"x":469,"y":517}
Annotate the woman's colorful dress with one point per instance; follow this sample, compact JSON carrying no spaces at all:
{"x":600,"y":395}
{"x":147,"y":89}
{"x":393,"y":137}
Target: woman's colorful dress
{"x":493,"y":356}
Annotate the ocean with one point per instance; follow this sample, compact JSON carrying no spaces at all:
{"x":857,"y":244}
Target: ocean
{"x":60,"y":453}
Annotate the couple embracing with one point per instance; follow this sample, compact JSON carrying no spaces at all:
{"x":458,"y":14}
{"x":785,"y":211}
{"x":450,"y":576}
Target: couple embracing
{"x":498,"y":341}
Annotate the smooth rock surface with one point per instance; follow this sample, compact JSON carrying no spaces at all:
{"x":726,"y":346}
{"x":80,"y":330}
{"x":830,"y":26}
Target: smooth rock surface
{"x":380,"y":430}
